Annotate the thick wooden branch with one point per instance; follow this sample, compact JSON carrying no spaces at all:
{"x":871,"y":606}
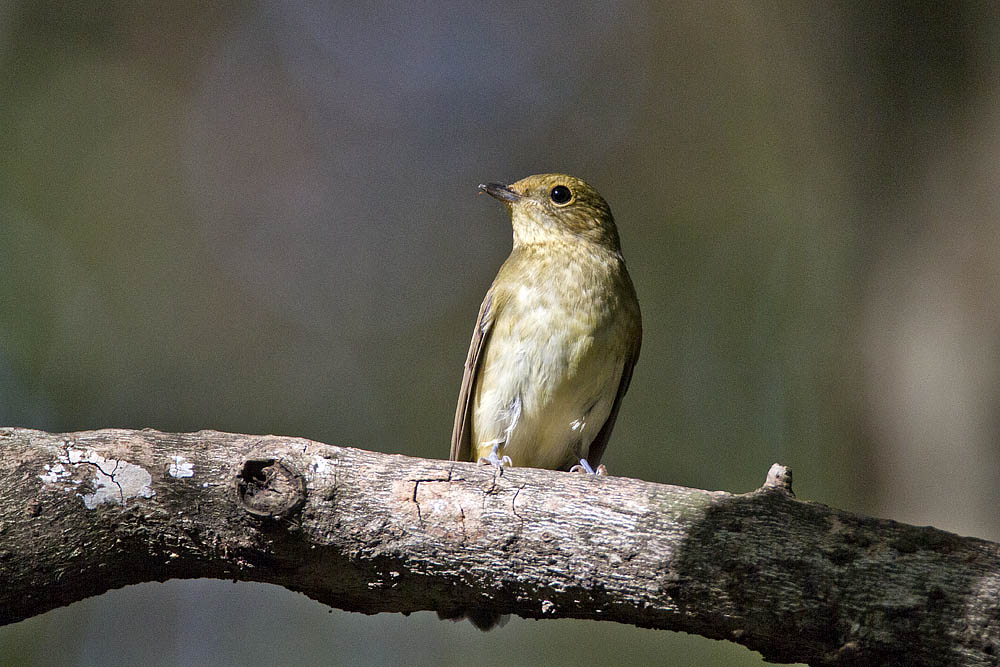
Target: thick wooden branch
{"x":82,"y":513}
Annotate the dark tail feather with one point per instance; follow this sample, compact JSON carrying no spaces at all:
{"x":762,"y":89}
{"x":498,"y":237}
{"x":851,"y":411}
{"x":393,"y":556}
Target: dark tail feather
{"x":484,"y":619}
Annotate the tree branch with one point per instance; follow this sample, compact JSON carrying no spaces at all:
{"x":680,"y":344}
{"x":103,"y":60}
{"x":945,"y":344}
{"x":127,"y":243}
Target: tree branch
{"x":82,"y":513}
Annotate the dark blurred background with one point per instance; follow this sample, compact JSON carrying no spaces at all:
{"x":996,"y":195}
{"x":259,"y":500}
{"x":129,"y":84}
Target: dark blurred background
{"x":263,"y":218}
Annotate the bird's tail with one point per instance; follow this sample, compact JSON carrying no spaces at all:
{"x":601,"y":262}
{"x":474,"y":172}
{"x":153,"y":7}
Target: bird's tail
{"x":484,"y":619}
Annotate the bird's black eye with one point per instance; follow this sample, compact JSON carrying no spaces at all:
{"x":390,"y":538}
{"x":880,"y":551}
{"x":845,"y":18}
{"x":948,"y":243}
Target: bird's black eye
{"x":560,"y":195}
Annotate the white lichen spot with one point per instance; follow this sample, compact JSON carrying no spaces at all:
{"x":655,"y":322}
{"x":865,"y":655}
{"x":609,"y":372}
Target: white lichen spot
{"x":320,"y":466}
{"x":53,"y":473}
{"x":180,"y":467}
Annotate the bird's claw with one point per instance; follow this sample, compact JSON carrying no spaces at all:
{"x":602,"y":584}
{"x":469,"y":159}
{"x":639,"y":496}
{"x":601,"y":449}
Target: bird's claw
{"x":495,"y":461}
{"x":585,"y":467}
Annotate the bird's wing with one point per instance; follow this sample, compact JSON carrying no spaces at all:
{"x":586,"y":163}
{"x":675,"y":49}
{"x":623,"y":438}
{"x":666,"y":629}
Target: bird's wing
{"x":461,"y":444}
{"x":597,"y":447}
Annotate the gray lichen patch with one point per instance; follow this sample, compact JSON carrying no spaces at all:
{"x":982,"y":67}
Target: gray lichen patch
{"x":114,"y":481}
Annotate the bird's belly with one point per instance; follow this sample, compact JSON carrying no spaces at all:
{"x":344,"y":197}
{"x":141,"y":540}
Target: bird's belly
{"x":545,"y":397}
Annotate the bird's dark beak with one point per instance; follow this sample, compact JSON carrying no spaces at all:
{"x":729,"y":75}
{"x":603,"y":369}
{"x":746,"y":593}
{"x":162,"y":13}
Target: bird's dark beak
{"x":499,"y":191}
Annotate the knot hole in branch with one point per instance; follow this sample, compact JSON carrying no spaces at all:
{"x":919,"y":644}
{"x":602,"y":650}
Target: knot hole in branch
{"x":270,"y":488}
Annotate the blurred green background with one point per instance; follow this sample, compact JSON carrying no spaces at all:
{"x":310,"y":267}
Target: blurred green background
{"x":262,"y":218}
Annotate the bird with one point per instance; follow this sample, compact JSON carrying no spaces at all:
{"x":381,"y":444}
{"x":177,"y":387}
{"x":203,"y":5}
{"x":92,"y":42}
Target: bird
{"x":555,"y":342}
{"x":557,"y":336}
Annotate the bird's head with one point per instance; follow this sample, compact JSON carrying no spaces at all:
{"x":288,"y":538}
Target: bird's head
{"x":556,"y":208}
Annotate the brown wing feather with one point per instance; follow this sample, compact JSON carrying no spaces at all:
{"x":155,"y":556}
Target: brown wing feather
{"x":461,"y":444}
{"x":600,"y":443}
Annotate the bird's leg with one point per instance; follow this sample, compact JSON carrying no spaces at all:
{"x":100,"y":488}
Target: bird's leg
{"x":585,"y":467}
{"x":584,"y":464}
{"x":494,"y":459}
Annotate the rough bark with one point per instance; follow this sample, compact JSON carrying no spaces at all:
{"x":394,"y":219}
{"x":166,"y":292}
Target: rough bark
{"x":82,"y":513}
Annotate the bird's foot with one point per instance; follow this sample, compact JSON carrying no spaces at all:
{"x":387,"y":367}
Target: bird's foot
{"x":585,"y":467}
{"x":494,"y":460}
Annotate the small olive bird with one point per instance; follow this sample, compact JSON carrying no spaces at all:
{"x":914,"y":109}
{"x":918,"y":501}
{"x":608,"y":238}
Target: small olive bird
{"x":557,"y":336}
{"x":555,"y":343}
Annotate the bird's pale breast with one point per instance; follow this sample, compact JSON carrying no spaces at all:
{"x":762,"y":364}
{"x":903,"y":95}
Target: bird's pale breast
{"x":553,"y":362}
